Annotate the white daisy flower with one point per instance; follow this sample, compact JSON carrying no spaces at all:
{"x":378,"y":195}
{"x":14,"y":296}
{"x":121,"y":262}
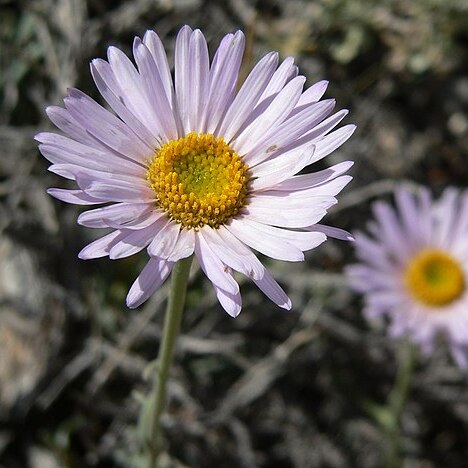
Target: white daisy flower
{"x":414,"y":268}
{"x":193,"y":166}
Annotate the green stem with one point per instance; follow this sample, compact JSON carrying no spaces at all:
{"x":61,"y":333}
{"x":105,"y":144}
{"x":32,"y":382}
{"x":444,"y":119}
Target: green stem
{"x":172,"y":322}
{"x":396,"y":403}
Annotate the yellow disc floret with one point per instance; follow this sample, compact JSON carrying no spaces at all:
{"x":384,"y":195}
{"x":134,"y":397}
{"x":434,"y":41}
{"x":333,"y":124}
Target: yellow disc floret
{"x":434,"y":278}
{"x":198,"y":180}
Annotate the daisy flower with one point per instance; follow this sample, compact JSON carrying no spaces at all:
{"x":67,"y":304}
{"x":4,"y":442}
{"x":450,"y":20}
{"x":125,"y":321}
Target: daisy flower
{"x":414,"y":268}
{"x":189,"y":165}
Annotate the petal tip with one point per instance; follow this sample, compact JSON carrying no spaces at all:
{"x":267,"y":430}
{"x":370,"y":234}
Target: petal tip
{"x":39,"y":137}
{"x":82,"y":255}
{"x":131,"y":302}
{"x":234,"y":313}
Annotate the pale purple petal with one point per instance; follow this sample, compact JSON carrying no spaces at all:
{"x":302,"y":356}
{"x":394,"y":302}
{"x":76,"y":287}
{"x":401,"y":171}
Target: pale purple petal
{"x":305,"y":181}
{"x":76,"y":197}
{"x":273,"y":291}
{"x":115,"y":190}
{"x":223,"y":78}
{"x":198,"y":67}
{"x":247,"y":97}
{"x":271,"y":117}
{"x":285,"y":73}
{"x":62,"y":119}
{"x":281,"y":168}
{"x":133,"y":241}
{"x":287,"y":213}
{"x":110,"y":132}
{"x":332,"y":141}
{"x":185,"y":245}
{"x":425,"y":218}
{"x":330,"y":231}
{"x":315,"y":193}
{"x":107,"y":85}
{"x":182,"y":74}
{"x":446,"y":212}
{"x":62,"y":150}
{"x":323,"y":128}
{"x":288,"y":132}
{"x":461,"y":228}
{"x":162,"y":114}
{"x":301,"y":240}
{"x":150,"y":279}
{"x":409,"y":214}
{"x":274,"y":248}
{"x":216,"y":271}
{"x":163,"y":244}
{"x":73,"y":171}
{"x":298,"y":218}
{"x":375,"y":253}
{"x":313,"y":94}
{"x":390,"y":230}
{"x":232,"y":252}
{"x":316,"y":134}
{"x":231,"y":303}
{"x":119,"y":213}
{"x":366,"y":278}
{"x":150,"y":217}
{"x":100,"y":247}
{"x":134,"y":87}
{"x":63,"y":170}
{"x":155,"y":46}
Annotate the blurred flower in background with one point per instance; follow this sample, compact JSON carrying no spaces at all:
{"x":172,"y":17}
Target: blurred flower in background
{"x":413,"y":268}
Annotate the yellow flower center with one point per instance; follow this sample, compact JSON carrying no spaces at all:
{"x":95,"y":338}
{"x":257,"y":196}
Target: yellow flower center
{"x":198,"y":180}
{"x":434,"y":278}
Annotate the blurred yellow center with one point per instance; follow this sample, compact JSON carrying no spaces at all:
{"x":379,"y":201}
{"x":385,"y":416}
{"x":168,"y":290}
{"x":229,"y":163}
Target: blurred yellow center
{"x":434,"y":278}
{"x":198,"y":180}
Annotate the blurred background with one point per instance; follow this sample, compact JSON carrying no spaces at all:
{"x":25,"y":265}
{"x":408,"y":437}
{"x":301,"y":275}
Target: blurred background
{"x":268,"y":389}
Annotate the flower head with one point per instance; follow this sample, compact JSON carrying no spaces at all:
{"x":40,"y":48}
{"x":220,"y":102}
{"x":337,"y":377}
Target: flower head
{"x":190,"y":165}
{"x":414,"y":268}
